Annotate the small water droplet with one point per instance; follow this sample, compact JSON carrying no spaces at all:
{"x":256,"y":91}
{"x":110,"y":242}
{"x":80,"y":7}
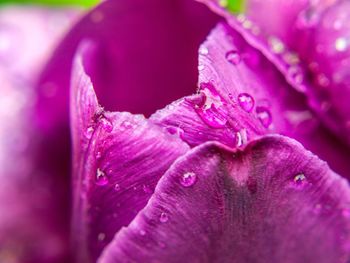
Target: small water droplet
{"x":106,"y":125}
{"x":322,"y":80}
{"x":233,"y":57}
{"x":142,"y":232}
{"x":276,"y":45}
{"x":88,"y":133}
{"x":246,"y":102}
{"x":341,"y":44}
{"x":299,"y":179}
{"x":295,"y":75}
{"x":98,"y":155}
{"x":203,"y":50}
{"x":101,"y":236}
{"x":127,"y":125}
{"x":101,"y":178}
{"x":241,"y":137}
{"x":163,"y":218}
{"x":188,"y":179}
{"x":117,"y":187}
{"x":264,"y":116}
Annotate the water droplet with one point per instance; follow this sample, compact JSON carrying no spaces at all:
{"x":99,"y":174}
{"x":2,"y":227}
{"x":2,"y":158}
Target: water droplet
{"x":295,"y":75}
{"x":246,"y":102}
{"x":101,"y":236}
{"x":276,"y":45}
{"x":98,"y":155}
{"x":117,"y":187}
{"x":106,"y":125}
{"x":322,"y":80}
{"x":88,"y":133}
{"x":163,"y":218}
{"x":101,"y":178}
{"x":233,"y":57}
{"x":127,"y":125}
{"x":203,"y":50}
{"x":188,"y":179}
{"x":142,"y":232}
{"x":241,"y":137}
{"x":299,"y":179}
{"x":264,"y":116}
{"x":341,"y":44}
{"x":209,"y":107}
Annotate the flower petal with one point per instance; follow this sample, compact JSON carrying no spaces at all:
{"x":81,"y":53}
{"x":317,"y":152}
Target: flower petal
{"x":271,"y":202}
{"x":142,"y":45}
{"x":118,"y":160}
{"x":254,"y":99}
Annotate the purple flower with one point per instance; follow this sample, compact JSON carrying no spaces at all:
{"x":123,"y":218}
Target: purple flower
{"x":168,"y":170}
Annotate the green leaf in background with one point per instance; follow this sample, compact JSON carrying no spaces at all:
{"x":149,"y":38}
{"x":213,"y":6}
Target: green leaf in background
{"x":84,"y":3}
{"x":234,"y":6}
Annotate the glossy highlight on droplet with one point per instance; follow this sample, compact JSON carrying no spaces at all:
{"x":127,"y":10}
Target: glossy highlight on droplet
{"x":188,"y":179}
{"x":233,"y":57}
{"x":101,"y":178}
{"x":163,"y":218}
{"x":264,"y":116}
{"x":246,"y":102}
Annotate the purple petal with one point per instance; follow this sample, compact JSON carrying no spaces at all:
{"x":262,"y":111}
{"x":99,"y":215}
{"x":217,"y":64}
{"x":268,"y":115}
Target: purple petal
{"x":118,"y":160}
{"x":34,"y":191}
{"x":142,"y":44}
{"x":253,"y":97}
{"x":271,"y":202}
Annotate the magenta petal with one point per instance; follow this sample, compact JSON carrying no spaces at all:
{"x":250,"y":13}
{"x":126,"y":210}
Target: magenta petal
{"x":272,"y":202}
{"x":118,"y":160}
{"x":142,"y":43}
{"x":252,"y":96}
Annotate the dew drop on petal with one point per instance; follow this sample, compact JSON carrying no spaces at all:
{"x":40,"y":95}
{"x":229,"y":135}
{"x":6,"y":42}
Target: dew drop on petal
{"x":294,"y":74}
{"x":127,"y":125}
{"x":276,"y":45}
{"x":98,"y":155}
{"x":101,"y":178}
{"x":188,"y":179}
{"x":233,"y":57}
{"x":299,"y":179}
{"x":346,"y":213}
{"x":142,"y":232}
{"x":264,"y":115}
{"x":246,"y":102}
{"x":117,"y":187}
{"x":163,"y":218}
{"x":88,"y":133}
{"x":146,"y":189}
{"x":241,"y":137}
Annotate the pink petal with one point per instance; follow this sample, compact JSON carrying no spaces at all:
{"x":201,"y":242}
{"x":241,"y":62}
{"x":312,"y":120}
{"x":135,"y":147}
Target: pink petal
{"x":271,"y":202}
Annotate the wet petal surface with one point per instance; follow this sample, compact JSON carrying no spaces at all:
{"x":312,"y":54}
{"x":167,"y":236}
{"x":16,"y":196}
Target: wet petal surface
{"x":118,"y":160}
{"x":271,"y":202}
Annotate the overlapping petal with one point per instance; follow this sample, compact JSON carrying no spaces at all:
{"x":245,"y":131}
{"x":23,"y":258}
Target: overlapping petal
{"x":118,"y":160}
{"x":248,"y":97}
{"x":142,"y":44}
{"x":271,"y":202}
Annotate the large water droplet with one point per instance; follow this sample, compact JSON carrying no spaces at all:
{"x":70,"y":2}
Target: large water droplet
{"x":163,"y":218}
{"x":246,"y":102}
{"x":188,"y":179}
{"x":264,"y":115}
{"x":210,"y":107}
{"x":101,"y":178}
{"x":233,"y":57}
